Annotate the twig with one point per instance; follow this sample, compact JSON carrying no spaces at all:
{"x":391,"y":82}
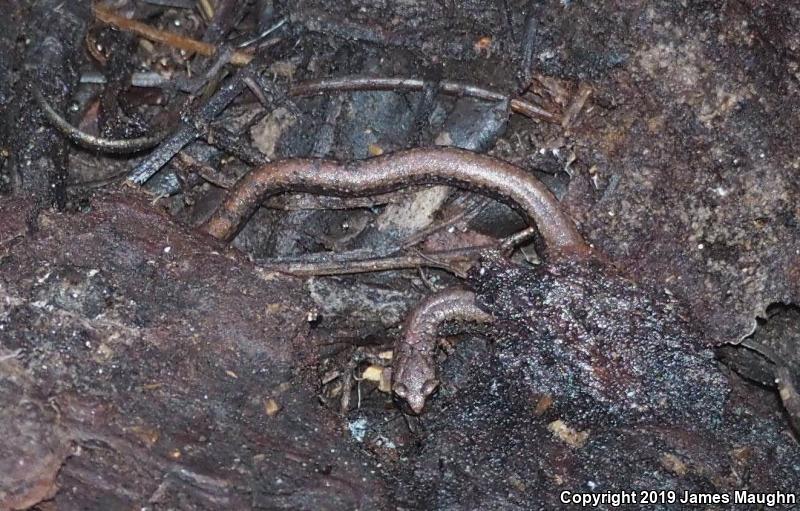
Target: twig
{"x":139,"y":79}
{"x":424,"y":109}
{"x":346,"y":264}
{"x":466,"y":214}
{"x":213,"y":73}
{"x":191,"y":129}
{"x":353,"y":83}
{"x":263,"y":34}
{"x":163,"y":153}
{"x":528,"y":43}
{"x":207,"y":8}
{"x":239,"y":58}
{"x":99,"y":144}
{"x":97,"y":183}
{"x":307,"y":201}
{"x":576,"y":105}
{"x":11,"y":355}
{"x":327,"y":131}
{"x":257,"y":91}
{"x":356,"y":262}
{"x":179,"y":4}
{"x":517,"y":239}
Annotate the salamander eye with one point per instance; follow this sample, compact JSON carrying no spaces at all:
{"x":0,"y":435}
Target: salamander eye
{"x":401,"y":390}
{"x":429,"y":386}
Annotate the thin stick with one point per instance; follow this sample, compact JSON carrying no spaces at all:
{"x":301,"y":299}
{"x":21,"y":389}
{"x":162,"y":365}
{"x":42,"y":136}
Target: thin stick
{"x":108,"y":17}
{"x":97,"y":183}
{"x":354,"y":83}
{"x":465,"y":215}
{"x":343,"y":264}
{"x":190,"y":129}
{"x":355,"y":261}
{"x":207,"y":9}
{"x":259,"y":37}
{"x":179,"y":4}
{"x":83,"y":139}
{"x":517,"y":239}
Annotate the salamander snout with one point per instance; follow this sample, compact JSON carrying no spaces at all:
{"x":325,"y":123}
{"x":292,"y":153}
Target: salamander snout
{"x":416,"y":393}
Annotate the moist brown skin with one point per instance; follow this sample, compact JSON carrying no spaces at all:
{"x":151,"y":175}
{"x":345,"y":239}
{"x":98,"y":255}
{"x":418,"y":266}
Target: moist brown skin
{"x":449,"y":166}
{"x":414,"y":373}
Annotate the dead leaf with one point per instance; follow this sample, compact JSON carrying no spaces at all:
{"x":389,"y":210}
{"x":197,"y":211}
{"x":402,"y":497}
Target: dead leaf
{"x":570,"y":436}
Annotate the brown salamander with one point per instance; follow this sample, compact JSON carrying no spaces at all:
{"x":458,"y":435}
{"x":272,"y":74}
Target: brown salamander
{"x":414,"y":374}
{"x":414,"y":377}
{"x":449,"y":166}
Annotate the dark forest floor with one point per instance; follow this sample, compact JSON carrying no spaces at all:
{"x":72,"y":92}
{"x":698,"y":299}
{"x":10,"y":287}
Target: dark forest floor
{"x":145,"y":364}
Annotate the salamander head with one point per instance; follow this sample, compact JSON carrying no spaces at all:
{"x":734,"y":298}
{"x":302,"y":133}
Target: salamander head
{"x":414,"y":379}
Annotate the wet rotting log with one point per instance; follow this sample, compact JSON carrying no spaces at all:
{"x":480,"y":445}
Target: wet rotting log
{"x":395,"y":171}
{"x":590,"y":377}
{"x":137,"y":365}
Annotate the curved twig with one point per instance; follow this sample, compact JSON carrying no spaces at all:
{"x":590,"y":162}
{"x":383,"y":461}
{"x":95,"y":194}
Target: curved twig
{"x":99,"y":144}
